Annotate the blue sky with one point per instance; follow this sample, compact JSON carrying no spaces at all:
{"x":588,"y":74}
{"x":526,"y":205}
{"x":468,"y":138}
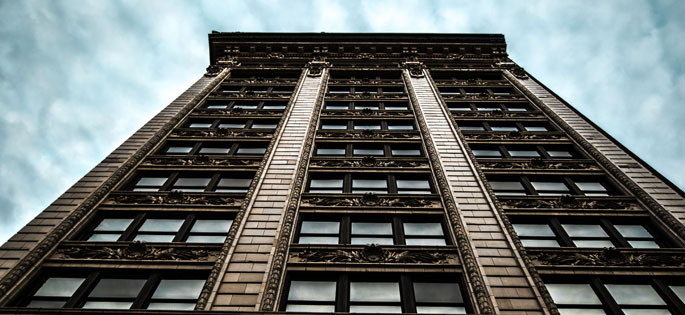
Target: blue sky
{"x":78,"y":77}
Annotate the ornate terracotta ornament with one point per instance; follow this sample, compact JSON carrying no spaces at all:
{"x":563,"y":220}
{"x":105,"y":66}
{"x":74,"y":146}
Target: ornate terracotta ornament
{"x":374,"y":254}
{"x":370,"y":199}
{"x":609,"y":257}
{"x":134,"y":251}
{"x":174,"y":197}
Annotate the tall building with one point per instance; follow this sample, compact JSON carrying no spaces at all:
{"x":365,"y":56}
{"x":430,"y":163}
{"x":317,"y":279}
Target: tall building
{"x":383,"y":173}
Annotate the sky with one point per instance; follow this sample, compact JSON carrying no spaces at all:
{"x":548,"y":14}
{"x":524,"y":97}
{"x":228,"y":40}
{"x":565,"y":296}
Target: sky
{"x":79,"y":77}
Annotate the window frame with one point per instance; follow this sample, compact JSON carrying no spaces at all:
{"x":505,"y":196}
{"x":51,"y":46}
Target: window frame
{"x":171,"y":178}
{"x":391,"y":179}
{"x":387,"y":149}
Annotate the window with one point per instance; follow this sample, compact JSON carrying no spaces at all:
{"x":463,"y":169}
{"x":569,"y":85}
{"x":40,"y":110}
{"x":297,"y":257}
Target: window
{"x":507,"y":188}
{"x":151,"y":227}
{"x":235,"y":182}
{"x":636,"y":295}
{"x":470,"y":125}
{"x":233,"y":124}
{"x":214,"y":148}
{"x":390,"y":125}
{"x":374,"y":293}
{"x":382,"y":230}
{"x":363,"y":183}
{"x":368,"y":149}
{"x":276,"y":90}
{"x":108,"y":290}
{"x":589,"y":233}
{"x":523,"y":152}
{"x":595,"y":186}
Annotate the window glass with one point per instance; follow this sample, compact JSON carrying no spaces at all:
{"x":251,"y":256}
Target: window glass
{"x":171,"y":306}
{"x":179,"y":150}
{"x":335,"y":127}
{"x":211,"y":226}
{"x":504,"y":128}
{"x":487,"y":153}
{"x":523,"y":153}
{"x":107,"y":305}
{"x":592,"y":188}
{"x":191,"y":181}
{"x":502,"y":188}
{"x":374,"y":292}
{"x":584,"y":230}
{"x":151,"y":181}
{"x":251,"y":150}
{"x":214,"y":150}
{"x":406,"y":152}
{"x":325,"y":227}
{"x":336,"y":107}
{"x":366,"y":106}
{"x":632,"y":230}
{"x":410,"y":186}
{"x":550,"y":188}
{"x":233,"y":185}
{"x":634,"y":294}
{"x":536,"y":128}
{"x":113,"y":224}
{"x":62,"y":287}
{"x":679,"y":290}
{"x":540,"y":243}
{"x":559,"y":154}
{"x":263,"y":126}
{"x":365,"y":152}
{"x":400,"y":127}
{"x":271,"y":107}
{"x":533,"y":230}
{"x":200,"y":125}
{"x":472,"y":128}
{"x":372,"y":233}
{"x":312,"y":291}
{"x":330,"y":151}
{"x":432,"y":228}
{"x":216,"y":106}
{"x":516,"y":109}
{"x":179,"y":289}
{"x":117,"y":288}
{"x":369,"y":185}
{"x":571,"y":293}
{"x":366,"y":126}
{"x":245,"y":106}
{"x":232,"y":125}
{"x":437,"y":292}
{"x":326,"y":186}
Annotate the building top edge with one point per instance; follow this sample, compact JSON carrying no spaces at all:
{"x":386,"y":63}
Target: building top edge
{"x":356,"y":37}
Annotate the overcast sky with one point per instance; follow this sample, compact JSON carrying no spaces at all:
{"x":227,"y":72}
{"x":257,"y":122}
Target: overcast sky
{"x":79,"y":77}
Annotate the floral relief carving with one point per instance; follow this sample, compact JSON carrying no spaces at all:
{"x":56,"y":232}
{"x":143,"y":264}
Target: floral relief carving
{"x":370,"y":199}
{"x":512,"y":135}
{"x":609,"y":257}
{"x":175,"y":197}
{"x":367,"y":112}
{"x":568,"y":202}
{"x":201,"y":160}
{"x":374,"y":254}
{"x":539,"y":164}
{"x":368,"y":162}
{"x":218,"y":133}
{"x":134,"y":251}
{"x":366,"y":134}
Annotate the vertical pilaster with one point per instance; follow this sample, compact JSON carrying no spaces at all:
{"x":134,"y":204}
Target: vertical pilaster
{"x":504,"y":274}
{"x":245,"y":272}
{"x":663,"y":200}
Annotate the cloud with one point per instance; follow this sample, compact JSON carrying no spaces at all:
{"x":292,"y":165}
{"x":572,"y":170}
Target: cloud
{"x":68,"y":67}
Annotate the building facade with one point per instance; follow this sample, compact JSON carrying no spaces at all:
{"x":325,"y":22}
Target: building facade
{"x":366,"y":173}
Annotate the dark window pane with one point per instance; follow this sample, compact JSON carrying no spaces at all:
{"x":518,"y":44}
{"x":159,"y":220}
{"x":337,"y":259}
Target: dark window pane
{"x":634,"y":294}
{"x":232,"y":125}
{"x":374,"y":228}
{"x":427,"y":292}
{"x":113,"y":224}
{"x":559,"y":154}
{"x":406,"y":152}
{"x":178,"y":289}
{"x":499,"y":185}
{"x":365,"y":152}
{"x":107,"y":305}
{"x":161,"y":225}
{"x":533,"y":230}
{"x":573,"y":294}
{"x":64,"y":287}
{"x":214,"y":150}
{"x":504,"y":128}
{"x":320,"y":227}
{"x":45,"y":304}
{"x":171,"y":306}
{"x":432,"y":228}
{"x":374,"y":292}
{"x":192,"y":181}
{"x":487,"y":153}
{"x":584,"y":230}
{"x":523,"y":153}
{"x":251,"y":151}
{"x":179,"y":150}
{"x":211,"y":226}
{"x":151,"y":181}
{"x":124,"y":288}
{"x":312,"y":291}
{"x":472,"y":128}
{"x":549,"y":186}
{"x":330,"y":151}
